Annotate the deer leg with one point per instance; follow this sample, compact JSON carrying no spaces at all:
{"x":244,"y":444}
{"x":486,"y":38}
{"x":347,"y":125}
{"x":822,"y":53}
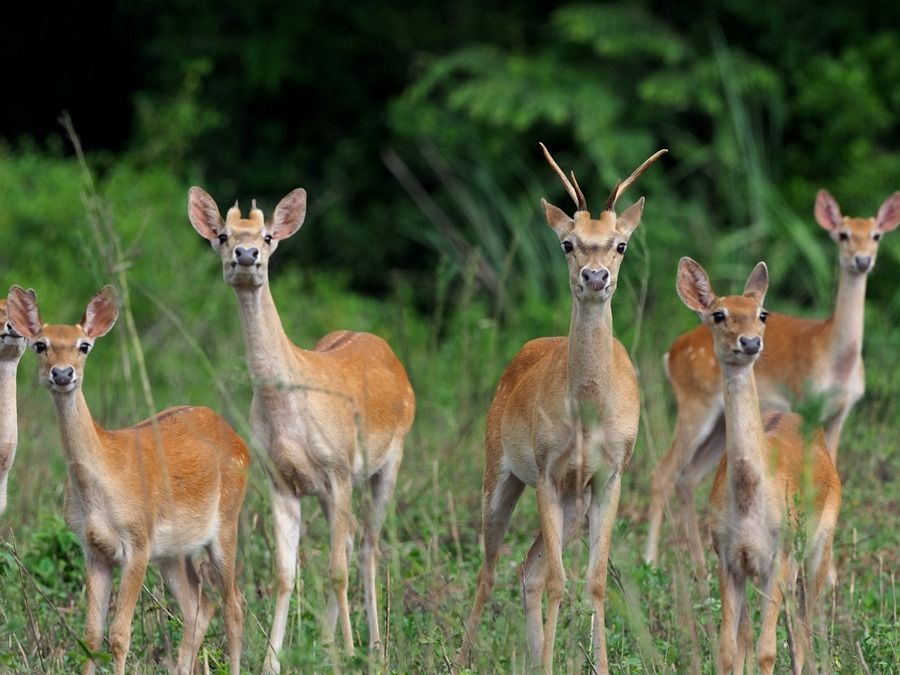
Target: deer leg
{"x":222,"y":553}
{"x":551,"y":513}
{"x":772,"y":595}
{"x":498,"y":502}
{"x":340,"y":522}
{"x":733,"y":593}
{"x":286,"y":522}
{"x":602,"y":516}
{"x":196,"y":611}
{"x":133,"y":573}
{"x":744,"y":638}
{"x":381,"y":491}
{"x":99,"y":575}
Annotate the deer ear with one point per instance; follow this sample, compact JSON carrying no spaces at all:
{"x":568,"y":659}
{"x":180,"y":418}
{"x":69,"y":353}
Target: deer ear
{"x":557,"y":219}
{"x":101,"y":313}
{"x":22,"y":312}
{"x":692,"y":284}
{"x":204,"y":213}
{"x":827,"y":211}
{"x":630,"y":218}
{"x":289,"y":214}
{"x":758,"y":282}
{"x":888,"y":217}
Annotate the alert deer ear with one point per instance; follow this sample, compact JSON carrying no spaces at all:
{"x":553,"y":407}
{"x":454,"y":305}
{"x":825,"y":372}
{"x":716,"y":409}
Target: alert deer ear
{"x":557,"y":219}
{"x":22,"y":312}
{"x":204,"y":214}
{"x":888,"y":217}
{"x":630,"y":218}
{"x":758,"y":283}
{"x":289,"y":214}
{"x":827,"y":211}
{"x":692,"y":284}
{"x":101,"y":313}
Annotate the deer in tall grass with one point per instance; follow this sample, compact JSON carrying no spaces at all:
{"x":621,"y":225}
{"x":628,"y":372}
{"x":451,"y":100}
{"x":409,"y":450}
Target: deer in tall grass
{"x":773,"y":486}
{"x":157,"y":491}
{"x":805,"y":358}
{"x":12,"y":346}
{"x":564,"y":420}
{"x":330,"y":417}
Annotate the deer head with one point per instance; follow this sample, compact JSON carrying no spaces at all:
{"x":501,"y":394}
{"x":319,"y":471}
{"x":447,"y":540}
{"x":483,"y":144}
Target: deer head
{"x":62,"y":350}
{"x":594,"y":248}
{"x":245,"y":244}
{"x":857,"y":238}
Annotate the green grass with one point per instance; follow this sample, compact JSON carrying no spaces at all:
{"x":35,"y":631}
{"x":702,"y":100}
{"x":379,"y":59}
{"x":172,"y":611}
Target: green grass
{"x":186,"y":337}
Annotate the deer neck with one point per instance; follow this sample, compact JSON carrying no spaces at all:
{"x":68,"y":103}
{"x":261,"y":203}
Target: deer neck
{"x":271,"y":357}
{"x":8,"y":427}
{"x":80,"y":441}
{"x":590,"y":351}
{"x":745,"y":439}
{"x":849,"y":317}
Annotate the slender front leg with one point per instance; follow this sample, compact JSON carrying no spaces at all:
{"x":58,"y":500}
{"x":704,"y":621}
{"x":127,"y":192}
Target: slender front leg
{"x":133,"y":573}
{"x":772,"y":594}
{"x":733,"y":594}
{"x":551,"y":513}
{"x":340,"y":521}
{"x":286,"y":520}
{"x":99,"y":576}
{"x":196,"y":610}
{"x":604,"y":504}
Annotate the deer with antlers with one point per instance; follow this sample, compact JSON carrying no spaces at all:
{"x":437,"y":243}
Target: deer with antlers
{"x":564,"y":420}
{"x":804,"y":358}
{"x":770,"y":483}
{"x":12,"y":346}
{"x":330,"y":417}
{"x":157,"y":491}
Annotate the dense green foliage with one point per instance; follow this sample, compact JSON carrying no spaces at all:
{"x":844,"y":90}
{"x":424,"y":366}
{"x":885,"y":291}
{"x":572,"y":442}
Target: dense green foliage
{"x":414,"y":130}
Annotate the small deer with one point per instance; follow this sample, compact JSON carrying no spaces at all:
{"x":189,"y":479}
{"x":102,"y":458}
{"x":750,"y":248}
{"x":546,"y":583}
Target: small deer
{"x":12,"y":346}
{"x":804,"y":357}
{"x":330,"y":417}
{"x":769,"y":475}
{"x":159,"y":490}
{"x":564,"y":420}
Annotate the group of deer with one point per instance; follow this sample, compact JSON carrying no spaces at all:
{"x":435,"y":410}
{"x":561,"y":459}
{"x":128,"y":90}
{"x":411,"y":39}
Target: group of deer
{"x":564,"y":420}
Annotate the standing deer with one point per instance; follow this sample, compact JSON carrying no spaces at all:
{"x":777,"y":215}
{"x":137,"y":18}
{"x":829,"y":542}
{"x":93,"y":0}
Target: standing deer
{"x":156,"y":491}
{"x":564,"y":419}
{"x":330,"y":417}
{"x":803,"y":358}
{"x":12,"y":346}
{"x":769,"y":475}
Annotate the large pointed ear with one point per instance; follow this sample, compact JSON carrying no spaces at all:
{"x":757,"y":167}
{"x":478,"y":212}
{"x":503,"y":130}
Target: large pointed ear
{"x":557,"y":219}
{"x":692,"y":284}
{"x":289,"y":214}
{"x":101,"y":313}
{"x":827,"y":211}
{"x":758,"y":283}
{"x":22,"y":312}
{"x":204,"y":214}
{"x":630,"y":218}
{"x":888,"y":217}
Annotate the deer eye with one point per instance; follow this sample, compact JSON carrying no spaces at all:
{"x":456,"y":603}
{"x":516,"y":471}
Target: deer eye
{"x":843,"y":236}
{"x":876,"y":236}
{"x":621,"y":247}
{"x":268,"y":238}
{"x":223,"y":238}
{"x":84,"y":347}
{"x":763,"y":316}
{"x":718,"y":317}
{"x":39,"y":347}
{"x":567,"y":246}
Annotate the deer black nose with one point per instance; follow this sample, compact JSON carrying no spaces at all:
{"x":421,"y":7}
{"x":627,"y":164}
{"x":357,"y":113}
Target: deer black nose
{"x":62,"y":376}
{"x":750,"y":345}
{"x":863,"y":262}
{"x":246,"y":256}
{"x":596,"y":280}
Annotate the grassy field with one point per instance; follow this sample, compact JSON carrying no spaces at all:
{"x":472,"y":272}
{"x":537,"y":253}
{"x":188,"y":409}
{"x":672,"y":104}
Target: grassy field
{"x":186,"y":345}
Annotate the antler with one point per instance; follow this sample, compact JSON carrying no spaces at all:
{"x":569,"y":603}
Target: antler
{"x":573,"y":190}
{"x":621,"y":186}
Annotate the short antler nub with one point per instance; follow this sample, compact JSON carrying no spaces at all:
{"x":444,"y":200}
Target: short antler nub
{"x":621,"y":186}
{"x":572,"y":188}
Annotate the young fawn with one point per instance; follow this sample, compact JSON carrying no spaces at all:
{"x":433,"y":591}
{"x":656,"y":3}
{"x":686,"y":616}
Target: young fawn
{"x":159,"y":490}
{"x":564,"y":419}
{"x":804,"y":357}
{"x":770,"y":482}
{"x":330,"y":417}
{"x":12,"y":346}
